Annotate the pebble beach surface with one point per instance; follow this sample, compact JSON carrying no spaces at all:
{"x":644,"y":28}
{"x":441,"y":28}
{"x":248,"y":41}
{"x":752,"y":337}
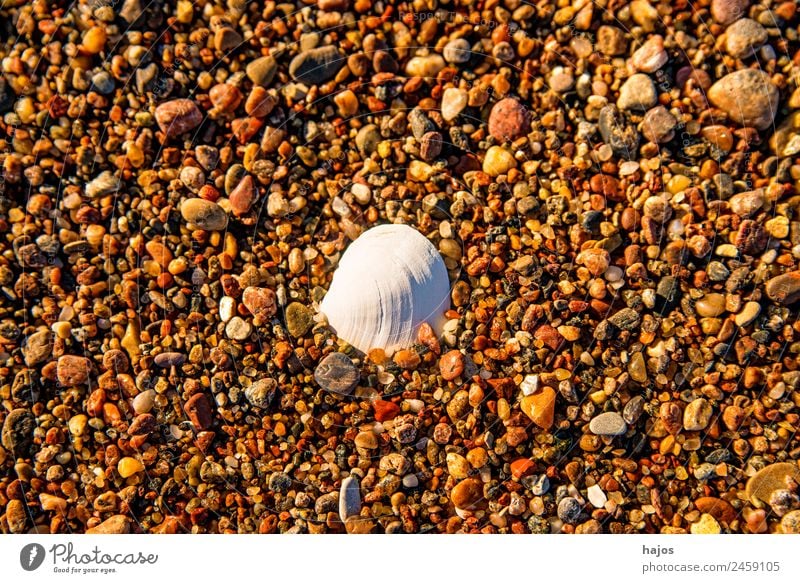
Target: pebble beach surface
{"x":613,"y":187}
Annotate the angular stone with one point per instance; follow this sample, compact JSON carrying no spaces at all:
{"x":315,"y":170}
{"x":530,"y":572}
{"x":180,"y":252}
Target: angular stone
{"x":199,"y":411}
{"x":118,"y":524}
{"x":178,"y":116}
{"x":540,"y":407}
{"x":261,"y":302}
{"x":261,"y":392}
{"x":261,"y":71}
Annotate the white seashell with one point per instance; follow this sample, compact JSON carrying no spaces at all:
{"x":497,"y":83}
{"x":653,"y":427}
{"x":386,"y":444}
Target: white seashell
{"x":389,"y":281}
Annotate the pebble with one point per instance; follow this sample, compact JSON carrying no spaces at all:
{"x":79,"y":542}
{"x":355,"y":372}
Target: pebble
{"x":117,"y":524}
{"x":337,"y":373}
{"x":38,"y":347}
{"x":637,"y":368}
{"x":637,"y":93}
{"x":790,"y":523}
{"x":430,"y":146}
{"x":697,"y":415}
{"x":467,"y":494}
{"x":457,"y":466}
{"x":316,"y":66}
{"x":17,"y":432}
{"x":749,"y":313}
{"x":457,"y":51}
{"x":199,"y":411}
{"x":659,"y":125}
{"x":529,"y":385}
{"x":427,"y":67}
{"x":451,"y":365}
{"x":743,"y":37}
{"x":784,"y":289}
{"x":104,"y":183}
{"x":261,"y":71}
{"x":169,"y":359}
{"x":178,"y":116}
{"x":747,"y":96}
{"x":367,"y":139}
{"x":73,"y":370}
{"x":710,"y":305}
{"x":509,"y":120}
{"x":204,"y":214}
{"x":611,"y":40}
{"x":349,"y":498}
{"x":498,"y":161}
{"x":129,"y":466}
{"x":651,"y":56}
{"x":243,"y":196}
{"x":706,"y":525}
{"x":618,"y":132}
{"x":540,"y":407}
{"x":609,"y":423}
{"x":569,"y":510}
{"x":746,"y":204}
{"x":454,"y":100}
{"x":238,"y":329}
{"x":596,"y":496}
{"x":299,"y":319}
{"x":144,"y":402}
{"x":261,"y":302}
{"x":727,"y":11}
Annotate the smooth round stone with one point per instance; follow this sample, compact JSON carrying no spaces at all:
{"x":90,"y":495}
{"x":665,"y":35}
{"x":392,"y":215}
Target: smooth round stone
{"x":367,"y":139}
{"x":743,"y":37}
{"x":454,"y":100}
{"x":697,"y":415}
{"x":509,"y":120}
{"x":204,"y":214}
{"x":498,"y":161}
{"x":710,"y":305}
{"x":596,"y":496}
{"x":349,"y":498}
{"x":633,"y":409}
{"x":609,"y":423}
{"x":638,"y":93}
{"x":178,"y":116}
{"x":457,"y":51}
{"x":467,"y":494}
{"x":410,"y":481}
{"x":428,"y":66}
{"x":569,"y":510}
{"x":457,"y":466}
{"x":260,"y":393}
{"x":144,"y":401}
{"x":337,"y":373}
{"x":366,"y":440}
{"x":790,"y":523}
{"x":659,"y":125}
{"x":238,"y":329}
{"x":728,"y":11}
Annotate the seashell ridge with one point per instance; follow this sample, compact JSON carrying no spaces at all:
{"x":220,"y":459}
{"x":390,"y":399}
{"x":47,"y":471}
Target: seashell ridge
{"x":388,"y":282}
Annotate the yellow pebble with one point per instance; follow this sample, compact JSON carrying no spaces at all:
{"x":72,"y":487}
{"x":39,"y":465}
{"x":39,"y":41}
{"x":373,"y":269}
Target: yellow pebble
{"x":129,"y":466}
{"x":94,"y":39}
{"x":706,"y":525}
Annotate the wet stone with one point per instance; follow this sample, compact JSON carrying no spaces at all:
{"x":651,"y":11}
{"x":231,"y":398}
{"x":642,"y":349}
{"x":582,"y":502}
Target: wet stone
{"x":337,"y":373}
